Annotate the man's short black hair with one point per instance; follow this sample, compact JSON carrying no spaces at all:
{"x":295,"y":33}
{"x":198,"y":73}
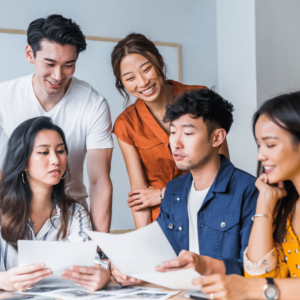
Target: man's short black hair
{"x":57,"y":29}
{"x":215,"y":111}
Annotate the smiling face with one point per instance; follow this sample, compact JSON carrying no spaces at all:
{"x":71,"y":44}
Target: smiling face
{"x":190,"y":143}
{"x":279,"y":156}
{"x":54,"y":65}
{"x":48,"y":160}
{"x":140,"y":78}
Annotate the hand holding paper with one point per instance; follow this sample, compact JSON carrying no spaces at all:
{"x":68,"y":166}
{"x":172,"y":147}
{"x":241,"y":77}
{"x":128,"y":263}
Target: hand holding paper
{"x":138,"y":253}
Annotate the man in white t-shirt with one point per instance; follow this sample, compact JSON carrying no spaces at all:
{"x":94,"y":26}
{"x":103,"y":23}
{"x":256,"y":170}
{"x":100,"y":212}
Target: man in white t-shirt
{"x":53,"y":47}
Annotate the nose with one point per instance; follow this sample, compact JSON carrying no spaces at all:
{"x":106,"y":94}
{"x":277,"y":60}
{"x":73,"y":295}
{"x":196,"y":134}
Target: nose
{"x":54,"y":160}
{"x":57,"y":73}
{"x":175,"y":142}
{"x":142,"y":81}
{"x":261,"y":156}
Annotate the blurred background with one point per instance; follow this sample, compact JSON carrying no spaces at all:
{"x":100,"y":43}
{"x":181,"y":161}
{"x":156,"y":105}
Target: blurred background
{"x":248,"y":50}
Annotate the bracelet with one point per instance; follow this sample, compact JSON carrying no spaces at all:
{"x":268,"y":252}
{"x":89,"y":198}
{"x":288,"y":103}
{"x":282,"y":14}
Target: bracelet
{"x":260,"y":215}
{"x":160,"y":194}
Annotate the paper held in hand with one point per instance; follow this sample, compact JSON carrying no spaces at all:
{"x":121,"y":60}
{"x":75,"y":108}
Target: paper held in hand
{"x":57,"y":256}
{"x":137,"y":253}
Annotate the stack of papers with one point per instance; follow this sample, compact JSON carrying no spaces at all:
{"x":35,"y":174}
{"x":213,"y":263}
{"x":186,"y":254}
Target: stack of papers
{"x":137,"y":253}
{"x":110,"y":292}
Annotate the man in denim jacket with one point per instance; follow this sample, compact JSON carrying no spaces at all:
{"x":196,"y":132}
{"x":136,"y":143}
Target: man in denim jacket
{"x":206,"y":213}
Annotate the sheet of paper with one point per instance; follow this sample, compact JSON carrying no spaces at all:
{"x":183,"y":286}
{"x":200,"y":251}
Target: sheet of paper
{"x":181,"y":279}
{"x":161,"y":295}
{"x":137,"y":253}
{"x":57,"y":256}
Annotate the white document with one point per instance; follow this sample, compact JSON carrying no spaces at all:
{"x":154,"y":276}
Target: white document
{"x":57,"y":256}
{"x":137,"y":253}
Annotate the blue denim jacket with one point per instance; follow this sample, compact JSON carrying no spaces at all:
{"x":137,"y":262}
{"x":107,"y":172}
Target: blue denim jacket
{"x":224,"y":219}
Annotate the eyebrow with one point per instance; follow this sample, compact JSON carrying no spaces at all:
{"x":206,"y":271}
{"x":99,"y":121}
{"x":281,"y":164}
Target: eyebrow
{"x":184,"y":125}
{"x":44,"y":145}
{"x":67,"y":62}
{"x":269,"y":137}
{"x":147,"y":62}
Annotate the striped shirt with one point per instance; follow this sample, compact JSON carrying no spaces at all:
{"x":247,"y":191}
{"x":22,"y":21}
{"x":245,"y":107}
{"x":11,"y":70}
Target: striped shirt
{"x":79,"y":221}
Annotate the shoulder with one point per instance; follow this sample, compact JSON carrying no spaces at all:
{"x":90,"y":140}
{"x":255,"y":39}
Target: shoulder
{"x":180,"y":181}
{"x":243,"y":176}
{"x":127,"y":117}
{"x":86,"y":91}
{"x":179,"y":88}
{"x":16,"y":83}
{"x":77,"y":209}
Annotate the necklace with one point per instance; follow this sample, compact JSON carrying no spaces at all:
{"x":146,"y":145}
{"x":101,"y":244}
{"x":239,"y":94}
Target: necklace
{"x":41,"y":215}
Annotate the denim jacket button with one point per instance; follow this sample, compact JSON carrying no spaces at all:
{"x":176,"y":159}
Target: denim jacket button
{"x":178,"y":199}
{"x":171,"y":226}
{"x":223,"y":224}
{"x":180,"y":228}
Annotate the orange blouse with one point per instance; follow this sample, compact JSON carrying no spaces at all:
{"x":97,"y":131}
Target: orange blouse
{"x":137,"y":127}
{"x":282,"y":262}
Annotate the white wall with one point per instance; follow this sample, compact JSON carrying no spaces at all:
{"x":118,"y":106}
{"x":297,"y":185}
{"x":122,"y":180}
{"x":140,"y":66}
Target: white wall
{"x":192,"y":24}
{"x":237,"y":76}
{"x":277,"y":47}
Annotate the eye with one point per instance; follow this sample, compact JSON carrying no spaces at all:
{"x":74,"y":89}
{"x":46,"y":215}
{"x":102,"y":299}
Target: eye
{"x":69,"y":66}
{"x":270,"y":146}
{"x":172,"y":132}
{"x":129,"y":79}
{"x":188,"y":133}
{"x":50,"y":65}
{"x":44,"y":152}
{"x":146,"y":70}
{"x":61,"y":151}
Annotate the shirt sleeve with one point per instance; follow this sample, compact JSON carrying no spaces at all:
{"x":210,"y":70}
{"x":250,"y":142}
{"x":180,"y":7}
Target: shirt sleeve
{"x":235,"y":266}
{"x":122,"y":130}
{"x":272,"y":265}
{"x":79,"y":222}
{"x":99,"y":135}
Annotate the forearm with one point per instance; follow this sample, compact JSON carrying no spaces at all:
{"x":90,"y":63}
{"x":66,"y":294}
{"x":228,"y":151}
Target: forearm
{"x":141,"y":218}
{"x":261,"y":237}
{"x":101,"y":205}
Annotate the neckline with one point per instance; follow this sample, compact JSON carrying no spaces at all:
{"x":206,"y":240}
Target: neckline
{"x":151,"y":121}
{"x":60,"y":102}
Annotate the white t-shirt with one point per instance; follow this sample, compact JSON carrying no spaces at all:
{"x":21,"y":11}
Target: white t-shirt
{"x":83,"y":114}
{"x":195,"y":200}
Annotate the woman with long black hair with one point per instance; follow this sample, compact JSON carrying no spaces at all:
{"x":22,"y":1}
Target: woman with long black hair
{"x":34,"y":206}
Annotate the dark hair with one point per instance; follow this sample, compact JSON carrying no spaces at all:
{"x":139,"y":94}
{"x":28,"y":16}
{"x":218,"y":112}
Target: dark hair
{"x":284,"y":111}
{"x":214,"y":110}
{"x":15,"y":196}
{"x":57,"y":29}
{"x":139,"y":44}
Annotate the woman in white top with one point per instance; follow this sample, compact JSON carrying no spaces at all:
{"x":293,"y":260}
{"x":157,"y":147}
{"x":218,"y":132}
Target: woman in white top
{"x":34,"y":206}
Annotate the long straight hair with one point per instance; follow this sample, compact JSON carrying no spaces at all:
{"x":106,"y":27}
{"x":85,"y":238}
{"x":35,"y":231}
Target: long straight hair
{"x":284,"y":111}
{"x":15,"y":196}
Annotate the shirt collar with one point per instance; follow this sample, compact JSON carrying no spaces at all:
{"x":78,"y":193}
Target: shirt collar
{"x":220,"y":183}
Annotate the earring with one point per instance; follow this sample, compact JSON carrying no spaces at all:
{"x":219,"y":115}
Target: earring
{"x":23,"y":177}
{"x":64,"y":176}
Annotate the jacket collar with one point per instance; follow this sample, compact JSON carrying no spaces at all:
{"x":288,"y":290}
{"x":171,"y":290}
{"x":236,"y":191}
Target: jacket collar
{"x":220,"y":183}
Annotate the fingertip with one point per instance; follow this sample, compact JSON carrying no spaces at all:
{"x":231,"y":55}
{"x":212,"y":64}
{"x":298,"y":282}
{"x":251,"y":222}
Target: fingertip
{"x":124,"y":277}
{"x":42,"y":265}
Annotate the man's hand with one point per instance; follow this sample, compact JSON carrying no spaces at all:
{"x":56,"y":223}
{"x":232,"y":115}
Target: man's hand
{"x":204,"y":265}
{"x":143,"y":198}
{"x":121,"y":278}
{"x":91,"y":278}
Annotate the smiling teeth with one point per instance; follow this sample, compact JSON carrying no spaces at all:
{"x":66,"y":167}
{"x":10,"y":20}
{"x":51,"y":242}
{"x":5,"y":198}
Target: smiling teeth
{"x":268,"y":168}
{"x":148,"y":91}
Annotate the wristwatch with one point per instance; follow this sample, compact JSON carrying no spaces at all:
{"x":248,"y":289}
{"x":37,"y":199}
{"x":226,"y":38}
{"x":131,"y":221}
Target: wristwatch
{"x":270,"y":289}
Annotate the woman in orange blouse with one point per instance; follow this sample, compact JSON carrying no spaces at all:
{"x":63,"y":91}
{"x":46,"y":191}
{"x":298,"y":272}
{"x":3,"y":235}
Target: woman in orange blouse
{"x":274,"y":245}
{"x":142,"y":135}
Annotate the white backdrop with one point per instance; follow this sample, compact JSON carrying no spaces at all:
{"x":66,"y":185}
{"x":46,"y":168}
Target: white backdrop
{"x":94,"y":67}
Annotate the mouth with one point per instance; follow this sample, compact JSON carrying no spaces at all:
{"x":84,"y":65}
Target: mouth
{"x":55,"y":84}
{"x":55,"y":172}
{"x":269,"y":169}
{"x":178,"y":156}
{"x":149,"y":91}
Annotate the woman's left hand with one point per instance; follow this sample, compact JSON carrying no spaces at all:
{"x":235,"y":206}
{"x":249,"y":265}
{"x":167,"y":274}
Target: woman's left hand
{"x":231,"y":287}
{"x":143,"y":198}
{"x":91,"y":278}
